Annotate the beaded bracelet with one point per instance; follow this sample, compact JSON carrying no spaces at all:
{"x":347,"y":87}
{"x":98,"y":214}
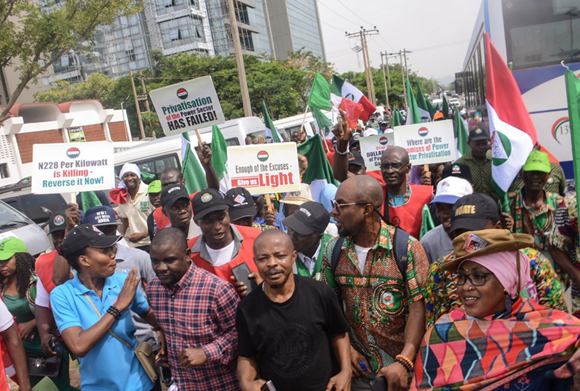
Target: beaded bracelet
{"x":114,"y":311}
{"x":408,"y":364}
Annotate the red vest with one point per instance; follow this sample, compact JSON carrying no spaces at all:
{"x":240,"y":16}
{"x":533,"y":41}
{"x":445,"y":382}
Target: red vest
{"x":410,"y":215}
{"x":44,"y":268}
{"x":245,"y":254}
{"x":160,"y":219}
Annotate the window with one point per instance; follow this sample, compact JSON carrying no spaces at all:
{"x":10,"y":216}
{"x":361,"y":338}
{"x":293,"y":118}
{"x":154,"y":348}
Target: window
{"x":169,"y":3}
{"x":193,"y":2}
{"x":4,"y":171}
{"x":131,"y":55}
{"x":64,"y":60}
{"x":175,"y":34}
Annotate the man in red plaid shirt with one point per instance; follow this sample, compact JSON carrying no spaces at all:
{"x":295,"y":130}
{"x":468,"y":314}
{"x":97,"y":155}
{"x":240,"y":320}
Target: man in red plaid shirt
{"x":196,"y":310}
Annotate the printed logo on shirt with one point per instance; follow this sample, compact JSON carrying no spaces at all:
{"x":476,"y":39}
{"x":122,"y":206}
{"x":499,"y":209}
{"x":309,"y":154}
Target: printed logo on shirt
{"x":144,"y":206}
{"x":386,"y":300}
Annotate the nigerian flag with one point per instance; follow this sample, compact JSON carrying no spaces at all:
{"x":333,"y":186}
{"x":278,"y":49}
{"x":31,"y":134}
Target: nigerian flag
{"x":191,"y":169}
{"x":323,"y":124}
{"x":319,"y":172}
{"x":272,"y":135}
{"x":422,"y":104}
{"x":219,"y":158}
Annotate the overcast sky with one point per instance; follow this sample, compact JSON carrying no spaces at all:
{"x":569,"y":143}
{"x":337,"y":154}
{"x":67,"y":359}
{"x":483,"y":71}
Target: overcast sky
{"x":437,"y":32}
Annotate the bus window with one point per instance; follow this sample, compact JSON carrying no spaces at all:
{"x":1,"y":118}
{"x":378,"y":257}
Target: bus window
{"x":155,"y":165}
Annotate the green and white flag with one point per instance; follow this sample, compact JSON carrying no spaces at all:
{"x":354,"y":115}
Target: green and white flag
{"x":413,"y":113}
{"x":422,"y":104}
{"x":191,"y":169}
{"x":323,"y":124}
{"x":219,"y":157}
{"x":272,"y":135}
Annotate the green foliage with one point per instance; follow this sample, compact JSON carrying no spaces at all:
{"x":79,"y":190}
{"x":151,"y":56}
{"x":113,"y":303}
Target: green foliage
{"x":36,"y":34}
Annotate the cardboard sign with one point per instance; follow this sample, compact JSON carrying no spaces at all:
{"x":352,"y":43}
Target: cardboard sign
{"x":65,"y":168}
{"x":426,"y":143}
{"x":372,"y":148}
{"x":264,"y":168}
{"x":187,"y":106}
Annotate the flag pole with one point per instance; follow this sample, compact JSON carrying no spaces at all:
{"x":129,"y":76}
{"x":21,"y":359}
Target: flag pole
{"x":304,"y":118}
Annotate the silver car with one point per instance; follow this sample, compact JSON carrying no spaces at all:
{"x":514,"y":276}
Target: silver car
{"x":14,"y":223}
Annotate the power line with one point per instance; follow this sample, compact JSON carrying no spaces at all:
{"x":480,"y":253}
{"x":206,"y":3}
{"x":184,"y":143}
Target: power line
{"x":352,"y":12}
{"x":336,"y":28}
{"x":348,"y":20}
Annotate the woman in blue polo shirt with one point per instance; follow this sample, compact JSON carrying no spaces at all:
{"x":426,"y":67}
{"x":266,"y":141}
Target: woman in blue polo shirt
{"x":106,"y":363}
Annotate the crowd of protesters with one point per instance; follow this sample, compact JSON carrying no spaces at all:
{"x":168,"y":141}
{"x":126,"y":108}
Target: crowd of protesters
{"x":348,"y":291}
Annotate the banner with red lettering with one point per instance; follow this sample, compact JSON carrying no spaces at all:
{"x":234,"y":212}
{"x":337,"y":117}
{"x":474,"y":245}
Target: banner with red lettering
{"x":264,"y":168}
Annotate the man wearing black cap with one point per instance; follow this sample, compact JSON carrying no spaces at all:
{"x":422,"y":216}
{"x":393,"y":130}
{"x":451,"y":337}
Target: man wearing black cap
{"x":176,"y":205}
{"x":221,"y":245}
{"x":356,"y":164}
{"x":457,"y":170}
{"x":383,"y":126}
{"x":476,"y":212}
{"x":479,"y":160}
{"x":306,"y":228}
{"x":242,"y":208}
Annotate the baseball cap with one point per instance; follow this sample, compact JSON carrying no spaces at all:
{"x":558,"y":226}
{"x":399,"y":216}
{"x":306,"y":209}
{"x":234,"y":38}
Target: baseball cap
{"x":438,"y":115}
{"x":473,"y":212}
{"x":537,"y":161}
{"x":99,"y":216}
{"x":382,"y":122}
{"x":170,"y":194}
{"x":370,"y":132}
{"x":457,"y":170}
{"x":310,"y":218}
{"x":154,"y":187}
{"x":11,"y":246}
{"x":207,"y":201}
{"x":354,"y":139}
{"x":477,"y":133}
{"x":449,"y":190}
{"x":57,"y":222}
{"x":240,"y":203}
{"x":355,"y":159}
{"x":86,"y":235}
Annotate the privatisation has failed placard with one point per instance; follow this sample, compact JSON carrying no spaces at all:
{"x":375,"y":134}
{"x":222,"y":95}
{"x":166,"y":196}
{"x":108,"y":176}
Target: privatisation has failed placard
{"x":66,"y":168}
{"x":264,"y":168}
{"x":426,"y":143}
{"x":186,"y":106}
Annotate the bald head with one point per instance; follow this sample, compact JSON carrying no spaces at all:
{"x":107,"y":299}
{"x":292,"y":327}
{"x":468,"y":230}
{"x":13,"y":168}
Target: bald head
{"x":364,"y":188}
{"x":170,"y":236}
{"x":270,"y":235}
{"x":395,"y":152}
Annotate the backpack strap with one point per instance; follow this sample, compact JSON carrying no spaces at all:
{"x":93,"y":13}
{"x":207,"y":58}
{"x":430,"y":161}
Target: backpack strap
{"x":400,"y":240}
{"x":336,"y":254}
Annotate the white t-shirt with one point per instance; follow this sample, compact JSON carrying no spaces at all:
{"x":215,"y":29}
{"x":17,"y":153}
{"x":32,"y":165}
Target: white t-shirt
{"x":42,"y":296}
{"x":6,"y":319}
{"x":361,"y":256}
{"x":221,"y":256}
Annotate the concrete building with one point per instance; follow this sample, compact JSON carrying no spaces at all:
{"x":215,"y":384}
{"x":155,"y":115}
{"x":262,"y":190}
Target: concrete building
{"x":47,"y":123}
{"x":295,"y":24}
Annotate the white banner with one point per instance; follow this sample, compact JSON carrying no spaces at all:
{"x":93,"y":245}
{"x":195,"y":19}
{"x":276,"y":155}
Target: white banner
{"x":426,"y":143}
{"x":372,"y":149}
{"x":187,"y":106}
{"x":264,"y":168}
{"x":66,"y":168}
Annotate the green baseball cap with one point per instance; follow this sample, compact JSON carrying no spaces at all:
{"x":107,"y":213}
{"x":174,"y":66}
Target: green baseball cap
{"x":11,"y":246}
{"x":154,"y":187}
{"x":537,"y":161}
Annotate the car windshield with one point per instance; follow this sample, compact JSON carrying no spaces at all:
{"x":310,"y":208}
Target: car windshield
{"x":9,"y":217}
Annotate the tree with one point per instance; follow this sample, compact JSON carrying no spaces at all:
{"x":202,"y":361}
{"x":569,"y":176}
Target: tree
{"x":36,"y":34}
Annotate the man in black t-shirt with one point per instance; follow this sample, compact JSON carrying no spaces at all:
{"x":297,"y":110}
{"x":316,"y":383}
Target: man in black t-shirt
{"x":288,"y":326}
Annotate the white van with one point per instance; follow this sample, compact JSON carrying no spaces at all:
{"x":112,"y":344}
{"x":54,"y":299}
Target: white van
{"x":292,"y":124}
{"x":156,"y":155}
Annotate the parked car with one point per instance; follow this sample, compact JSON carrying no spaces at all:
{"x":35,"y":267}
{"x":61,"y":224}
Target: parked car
{"x":15,"y":223}
{"x":19,"y":197}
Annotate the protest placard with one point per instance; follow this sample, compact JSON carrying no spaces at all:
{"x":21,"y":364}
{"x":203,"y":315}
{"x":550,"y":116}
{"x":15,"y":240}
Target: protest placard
{"x":186,"y":106}
{"x":66,"y":168}
{"x":264,"y":168}
{"x":426,"y":143}
{"x":372,"y":149}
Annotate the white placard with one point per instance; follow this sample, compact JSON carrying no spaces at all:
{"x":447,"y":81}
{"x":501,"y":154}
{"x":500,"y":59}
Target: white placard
{"x":264,"y":168}
{"x":65,"y":168}
{"x":372,"y":149}
{"x":186,"y":106}
{"x":426,"y":143}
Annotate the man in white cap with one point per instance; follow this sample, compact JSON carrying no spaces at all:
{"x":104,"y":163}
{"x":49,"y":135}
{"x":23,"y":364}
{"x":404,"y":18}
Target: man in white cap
{"x":437,"y":242}
{"x":134,"y":211}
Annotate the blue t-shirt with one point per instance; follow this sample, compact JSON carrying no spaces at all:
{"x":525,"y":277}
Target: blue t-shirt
{"x":110,"y":364}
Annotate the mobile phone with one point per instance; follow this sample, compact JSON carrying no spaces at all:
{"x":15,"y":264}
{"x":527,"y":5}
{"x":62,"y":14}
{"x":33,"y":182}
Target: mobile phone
{"x":241,"y":272}
{"x":269,"y":386}
{"x":379,"y":384}
{"x":165,"y":374}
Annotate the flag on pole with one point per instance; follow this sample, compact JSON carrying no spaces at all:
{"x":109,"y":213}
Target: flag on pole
{"x":513,"y":133}
{"x":272,"y":135}
{"x":398,"y":119}
{"x":426,"y":115}
{"x":430,"y":108}
{"x":460,"y":134}
{"x":413,"y":113}
{"x":219,"y":157}
{"x":191,"y":169}
{"x":322,"y":123}
{"x":344,"y":89}
{"x":445,"y":108}
{"x":319,"y":172}
{"x":319,"y":93}
{"x":573,"y":94}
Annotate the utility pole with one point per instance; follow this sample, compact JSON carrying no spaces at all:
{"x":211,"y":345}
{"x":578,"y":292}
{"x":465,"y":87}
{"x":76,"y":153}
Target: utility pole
{"x":240,"y":60}
{"x":385,"y":79}
{"x":405,"y":51}
{"x":137,"y":107}
{"x":146,"y":100}
{"x":403,"y":75}
{"x":362,"y":34}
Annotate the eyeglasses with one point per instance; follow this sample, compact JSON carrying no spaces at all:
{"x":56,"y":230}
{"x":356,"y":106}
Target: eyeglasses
{"x":476,"y":279}
{"x":337,"y":206}
{"x":394,"y":166}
